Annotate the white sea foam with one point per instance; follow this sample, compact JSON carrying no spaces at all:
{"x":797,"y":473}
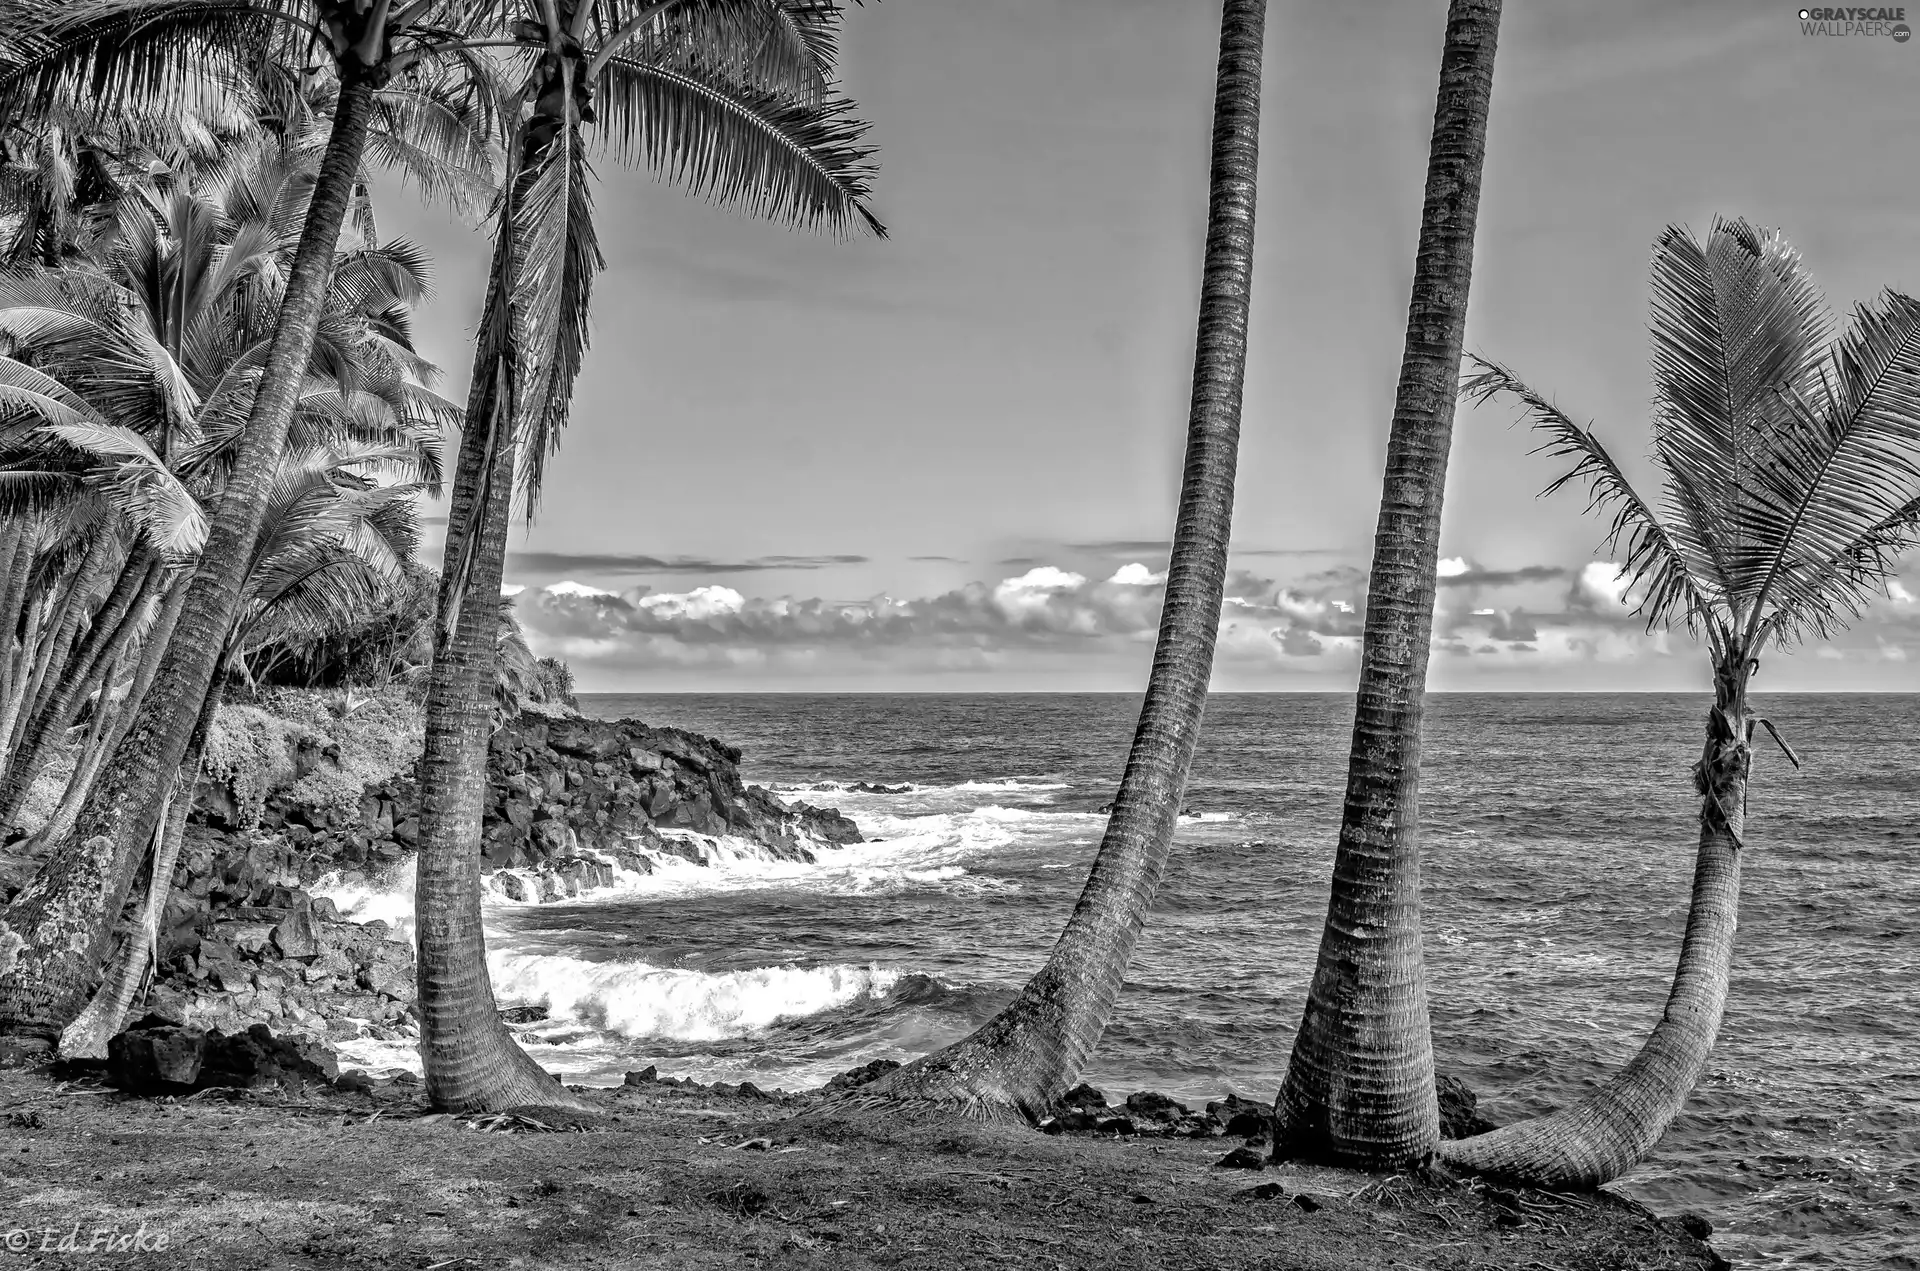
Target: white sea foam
{"x":634,"y":1000}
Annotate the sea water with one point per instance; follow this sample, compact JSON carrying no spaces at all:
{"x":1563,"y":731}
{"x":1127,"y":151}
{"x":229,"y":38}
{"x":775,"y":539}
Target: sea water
{"x":1558,"y":835}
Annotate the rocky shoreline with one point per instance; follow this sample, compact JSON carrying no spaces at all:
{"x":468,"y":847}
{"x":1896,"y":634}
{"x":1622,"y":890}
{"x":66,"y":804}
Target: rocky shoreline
{"x":572,"y":804}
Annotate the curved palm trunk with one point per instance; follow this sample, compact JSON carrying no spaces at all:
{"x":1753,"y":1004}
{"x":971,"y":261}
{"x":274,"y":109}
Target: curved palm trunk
{"x":55,"y":934}
{"x":471,"y":1061}
{"x":1614,"y":1128}
{"x":129,"y":969}
{"x":19,"y":623}
{"x":113,"y":626}
{"x":1025,"y":1057}
{"x":52,"y":665}
{"x":1359,"y":1087}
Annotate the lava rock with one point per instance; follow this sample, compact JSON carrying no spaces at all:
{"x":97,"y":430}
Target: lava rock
{"x":1083,"y":1096}
{"x":1459,"y":1117}
{"x":865,"y":1073}
{"x":1242,"y":1158}
{"x":1151,"y":1105}
{"x":1120,"y":1125}
{"x":645,"y":1077}
{"x":155,"y":1056}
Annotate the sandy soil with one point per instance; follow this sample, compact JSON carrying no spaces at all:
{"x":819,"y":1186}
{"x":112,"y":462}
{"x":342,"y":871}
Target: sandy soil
{"x":660,"y":1179}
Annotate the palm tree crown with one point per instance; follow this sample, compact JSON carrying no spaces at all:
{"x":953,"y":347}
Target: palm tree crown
{"x":1789,"y":460}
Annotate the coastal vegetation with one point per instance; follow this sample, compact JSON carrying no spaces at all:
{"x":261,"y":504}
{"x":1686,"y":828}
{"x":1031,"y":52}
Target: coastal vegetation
{"x":216,"y":430}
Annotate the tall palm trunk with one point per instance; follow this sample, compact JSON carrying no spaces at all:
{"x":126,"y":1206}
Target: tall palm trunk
{"x":51,"y":665}
{"x":1026,"y":1056}
{"x":471,"y":1061}
{"x":13,"y":604}
{"x":1614,"y":1128}
{"x":113,"y":626}
{"x":1359,"y":1088}
{"x":63,"y":919}
{"x":130,"y":967}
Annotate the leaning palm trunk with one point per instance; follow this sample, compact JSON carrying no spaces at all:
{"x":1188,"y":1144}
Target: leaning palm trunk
{"x":1791,"y":484}
{"x":471,"y":1061}
{"x":1025,"y":1057}
{"x":114,"y":625}
{"x":128,"y":970}
{"x":1359,"y":1088}
{"x":131,"y":967}
{"x":55,"y":934}
{"x":1611,"y":1130}
{"x":51,"y":661}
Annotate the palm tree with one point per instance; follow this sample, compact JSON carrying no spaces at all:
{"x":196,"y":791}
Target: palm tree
{"x":1020,"y":1061}
{"x":1790,"y":478}
{"x":731,"y":97}
{"x":1359,"y":1087}
{"x":171,"y":330}
{"x":54,"y":934}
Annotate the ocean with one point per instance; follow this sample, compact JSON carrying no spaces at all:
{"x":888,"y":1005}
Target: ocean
{"x":1559,"y":836}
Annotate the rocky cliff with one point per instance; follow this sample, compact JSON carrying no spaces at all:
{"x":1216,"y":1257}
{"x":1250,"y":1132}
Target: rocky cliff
{"x":570,"y":802}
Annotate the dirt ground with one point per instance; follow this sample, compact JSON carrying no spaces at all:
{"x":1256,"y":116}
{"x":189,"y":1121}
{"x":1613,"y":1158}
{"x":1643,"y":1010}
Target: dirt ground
{"x":661,"y":1180}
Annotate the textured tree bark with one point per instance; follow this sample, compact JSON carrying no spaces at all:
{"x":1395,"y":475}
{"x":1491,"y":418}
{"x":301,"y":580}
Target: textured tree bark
{"x":1359,"y":1088}
{"x":127,"y":970}
{"x":1613,"y":1129}
{"x":61,"y":922}
{"x":13,"y":612}
{"x":51,"y":668}
{"x":20,"y":667}
{"x":471,"y":1062}
{"x":113,"y":626}
{"x":1019,"y":1062}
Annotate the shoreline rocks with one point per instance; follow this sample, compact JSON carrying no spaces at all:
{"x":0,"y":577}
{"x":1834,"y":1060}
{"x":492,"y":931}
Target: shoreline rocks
{"x":570,"y":803}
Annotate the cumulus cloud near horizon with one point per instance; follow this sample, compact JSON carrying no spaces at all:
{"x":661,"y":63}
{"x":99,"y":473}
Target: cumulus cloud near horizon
{"x":1282,"y":631}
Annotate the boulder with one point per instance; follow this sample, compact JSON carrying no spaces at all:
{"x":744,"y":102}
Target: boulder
{"x":1459,"y":1115}
{"x":1151,"y":1105}
{"x":155,"y":1056}
{"x":871,"y":1071}
{"x":1242,"y":1158}
{"x":294,"y":936}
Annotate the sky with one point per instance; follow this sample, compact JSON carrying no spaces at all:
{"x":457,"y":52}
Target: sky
{"x":948,"y":460}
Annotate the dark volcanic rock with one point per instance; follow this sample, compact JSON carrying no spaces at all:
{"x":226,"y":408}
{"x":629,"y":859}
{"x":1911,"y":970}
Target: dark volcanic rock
{"x":1083,"y":1096}
{"x":156,"y":1056}
{"x":1242,"y":1158}
{"x":1459,"y":1117}
{"x":1151,"y":1105}
{"x":863,"y":1074}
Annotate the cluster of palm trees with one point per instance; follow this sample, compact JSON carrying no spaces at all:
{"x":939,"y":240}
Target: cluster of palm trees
{"x":215,"y":424}
{"x":315,"y":384}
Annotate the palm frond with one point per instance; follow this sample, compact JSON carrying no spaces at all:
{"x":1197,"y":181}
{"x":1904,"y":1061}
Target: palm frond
{"x":1843,"y":474}
{"x":761,"y":152}
{"x":1670,"y":579}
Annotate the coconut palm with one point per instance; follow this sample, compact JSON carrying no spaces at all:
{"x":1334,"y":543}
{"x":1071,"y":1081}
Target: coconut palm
{"x":333,"y":544}
{"x":182,"y":299}
{"x":172,"y":331}
{"x":1359,"y":1088}
{"x":1021,"y":1060}
{"x":1789,"y":467}
{"x":732,"y":98}
{"x":54,"y":934}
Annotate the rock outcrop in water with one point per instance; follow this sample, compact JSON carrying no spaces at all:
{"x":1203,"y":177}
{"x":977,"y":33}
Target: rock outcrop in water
{"x":571,"y":802}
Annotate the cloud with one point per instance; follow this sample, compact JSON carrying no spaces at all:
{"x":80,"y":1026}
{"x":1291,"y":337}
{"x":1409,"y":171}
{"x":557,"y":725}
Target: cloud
{"x":955,"y":560}
{"x":1050,"y":622}
{"x":1474,"y":576}
{"x":630,"y":563}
